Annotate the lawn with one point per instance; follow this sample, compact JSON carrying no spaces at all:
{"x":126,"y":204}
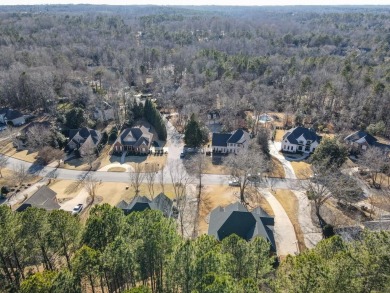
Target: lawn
{"x":302,"y":170}
{"x":290,"y":204}
{"x":212,"y":168}
{"x":277,"y":169}
{"x":25,"y":155}
{"x":279,"y":135}
{"x":66,"y":189}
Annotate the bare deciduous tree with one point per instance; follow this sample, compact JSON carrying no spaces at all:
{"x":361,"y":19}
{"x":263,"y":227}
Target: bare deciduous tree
{"x":38,"y":136}
{"x":48,"y":154}
{"x":90,"y":185}
{"x":246,"y":165}
{"x":21,"y":173}
{"x":373,"y":159}
{"x":88,"y":153}
{"x":180,"y":181}
{"x":136,"y":177}
{"x":150,"y":175}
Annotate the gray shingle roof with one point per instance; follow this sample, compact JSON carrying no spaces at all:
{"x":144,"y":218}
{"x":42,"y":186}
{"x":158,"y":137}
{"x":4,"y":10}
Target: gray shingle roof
{"x":236,"y":219}
{"x":136,"y":136}
{"x":44,"y":198}
{"x":294,"y":133}
{"x":361,"y":136}
{"x":140,"y":203}
{"x":10,"y":114}
{"x":79,"y":136}
{"x":222,"y":139}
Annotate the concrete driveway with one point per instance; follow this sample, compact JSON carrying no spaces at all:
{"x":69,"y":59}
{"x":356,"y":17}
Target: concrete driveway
{"x":284,"y":233}
{"x":274,"y":148}
{"x":81,"y":197}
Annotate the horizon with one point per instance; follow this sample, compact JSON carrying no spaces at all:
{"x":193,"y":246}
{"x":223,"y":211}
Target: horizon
{"x":248,"y":3}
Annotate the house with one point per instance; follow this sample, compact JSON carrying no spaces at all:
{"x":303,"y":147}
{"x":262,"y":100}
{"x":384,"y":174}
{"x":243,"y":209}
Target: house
{"x":363,"y":140}
{"x":140,"y":203}
{"x":136,"y":139}
{"x":43,"y":198}
{"x":300,"y":139}
{"x":104,"y":113}
{"x":13,"y":116}
{"x":236,"y":219}
{"x":83,"y":139}
{"x":230,"y":142}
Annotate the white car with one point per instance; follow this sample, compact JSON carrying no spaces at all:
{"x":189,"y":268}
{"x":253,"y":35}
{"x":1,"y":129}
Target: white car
{"x":77,"y":209}
{"x":234,"y":183}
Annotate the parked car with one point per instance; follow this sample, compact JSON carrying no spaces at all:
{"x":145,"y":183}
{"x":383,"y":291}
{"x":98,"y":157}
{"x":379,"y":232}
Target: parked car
{"x":234,"y":183}
{"x":77,"y":209}
{"x":182,"y":155}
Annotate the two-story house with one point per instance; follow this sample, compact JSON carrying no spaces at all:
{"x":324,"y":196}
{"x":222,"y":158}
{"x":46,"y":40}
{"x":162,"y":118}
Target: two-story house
{"x":300,"y":139}
{"x":230,"y":142}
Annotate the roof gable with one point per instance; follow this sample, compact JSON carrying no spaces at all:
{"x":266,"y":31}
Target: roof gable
{"x":294,"y":134}
{"x":44,"y":198}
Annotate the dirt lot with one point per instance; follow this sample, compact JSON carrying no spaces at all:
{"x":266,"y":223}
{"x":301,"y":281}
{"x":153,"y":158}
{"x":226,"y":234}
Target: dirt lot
{"x":302,"y":170}
{"x":290,"y":204}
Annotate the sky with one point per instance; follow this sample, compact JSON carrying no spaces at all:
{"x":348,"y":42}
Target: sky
{"x":200,"y":2}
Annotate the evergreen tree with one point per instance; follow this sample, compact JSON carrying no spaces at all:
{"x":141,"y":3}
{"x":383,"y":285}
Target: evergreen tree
{"x":194,"y":134}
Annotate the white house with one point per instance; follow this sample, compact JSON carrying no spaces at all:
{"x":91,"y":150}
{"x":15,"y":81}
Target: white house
{"x":230,"y":142}
{"x":300,"y":139}
{"x":13,"y":116}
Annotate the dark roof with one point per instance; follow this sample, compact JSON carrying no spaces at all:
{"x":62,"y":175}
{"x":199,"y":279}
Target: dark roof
{"x":236,"y":136}
{"x":140,"y":203}
{"x":294,"y":133}
{"x":361,"y":136}
{"x":236,"y":219}
{"x":79,"y":136}
{"x":163,"y":203}
{"x":378,"y":225}
{"x":11,"y":114}
{"x":136,"y":136}
{"x":220,"y":139}
{"x":44,"y":198}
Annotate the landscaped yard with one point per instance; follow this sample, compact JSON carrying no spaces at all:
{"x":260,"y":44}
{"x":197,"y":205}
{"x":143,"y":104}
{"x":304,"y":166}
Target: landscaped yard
{"x":302,"y":170}
{"x":66,"y":189}
{"x":9,"y":150}
{"x":215,"y":168}
{"x":290,"y":204}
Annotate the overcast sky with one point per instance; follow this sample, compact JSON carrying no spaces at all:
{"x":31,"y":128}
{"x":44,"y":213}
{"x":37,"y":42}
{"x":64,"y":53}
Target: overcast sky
{"x":200,"y":2}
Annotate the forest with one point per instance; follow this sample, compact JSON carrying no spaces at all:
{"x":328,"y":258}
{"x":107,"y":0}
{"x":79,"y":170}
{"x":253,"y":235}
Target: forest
{"x":328,"y":66}
{"x":55,"y":252}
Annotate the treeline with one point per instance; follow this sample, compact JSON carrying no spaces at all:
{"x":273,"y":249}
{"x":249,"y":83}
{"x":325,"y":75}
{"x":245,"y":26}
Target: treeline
{"x":142,"y":252}
{"x":326,"y":66}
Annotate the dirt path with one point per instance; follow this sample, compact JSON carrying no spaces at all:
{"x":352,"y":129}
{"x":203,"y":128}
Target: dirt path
{"x":284,"y":233}
{"x":311,"y":233}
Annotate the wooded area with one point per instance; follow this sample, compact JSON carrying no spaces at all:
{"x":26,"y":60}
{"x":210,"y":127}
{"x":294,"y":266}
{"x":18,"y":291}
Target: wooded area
{"x":53,"y":252}
{"x":328,"y":65}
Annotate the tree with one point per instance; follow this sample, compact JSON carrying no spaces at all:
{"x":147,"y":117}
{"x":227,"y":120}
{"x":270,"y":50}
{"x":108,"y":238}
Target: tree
{"x":247,"y":164}
{"x":74,"y":118}
{"x":90,"y":184}
{"x":21,"y":173}
{"x":86,"y":264}
{"x":65,"y":231}
{"x":136,"y":176}
{"x":151,"y":171}
{"x":3,"y":163}
{"x":329,"y":153}
{"x":374,"y":160}
{"x":154,"y":118}
{"x":194,"y":134}
{"x":180,"y":181}
{"x":48,"y":154}
{"x":88,"y":152}
{"x":38,"y":283}
{"x":263,"y":138}
{"x":38,"y":136}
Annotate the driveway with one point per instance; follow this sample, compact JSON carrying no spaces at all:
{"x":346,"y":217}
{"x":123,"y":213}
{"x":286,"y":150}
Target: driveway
{"x":311,"y":233}
{"x":81,"y":197}
{"x":274,"y":148}
{"x":284,"y":233}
